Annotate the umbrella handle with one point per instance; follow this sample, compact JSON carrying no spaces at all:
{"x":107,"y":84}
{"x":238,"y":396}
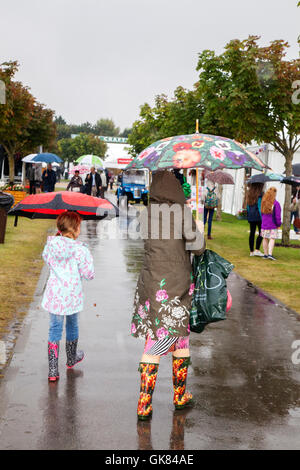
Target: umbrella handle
{"x":197,"y":194}
{"x":16,"y":221}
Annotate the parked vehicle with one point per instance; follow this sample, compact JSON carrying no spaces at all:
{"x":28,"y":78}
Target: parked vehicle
{"x":133,"y":185}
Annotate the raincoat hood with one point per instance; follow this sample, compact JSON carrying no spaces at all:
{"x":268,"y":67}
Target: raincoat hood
{"x":165,"y":188}
{"x":62,"y":248}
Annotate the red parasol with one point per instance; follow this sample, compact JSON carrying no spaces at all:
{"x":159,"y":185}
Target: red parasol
{"x":50,"y":205}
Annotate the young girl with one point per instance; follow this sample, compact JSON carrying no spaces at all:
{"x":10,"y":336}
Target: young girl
{"x":69,"y":261}
{"x":271,"y":221}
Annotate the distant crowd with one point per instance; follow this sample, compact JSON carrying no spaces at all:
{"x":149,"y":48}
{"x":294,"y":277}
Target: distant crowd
{"x":44,"y":180}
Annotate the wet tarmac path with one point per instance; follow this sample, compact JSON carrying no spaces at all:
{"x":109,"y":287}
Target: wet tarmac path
{"x":245,"y":384}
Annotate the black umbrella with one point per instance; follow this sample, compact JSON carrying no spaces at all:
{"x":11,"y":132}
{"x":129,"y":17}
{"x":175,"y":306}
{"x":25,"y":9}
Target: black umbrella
{"x":50,"y":205}
{"x":296,"y":169}
{"x":291,"y":180}
{"x":265,"y":177}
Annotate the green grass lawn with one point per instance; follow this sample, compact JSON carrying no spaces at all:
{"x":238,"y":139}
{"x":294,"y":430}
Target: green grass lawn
{"x":281,"y":278}
{"x":20,"y":266}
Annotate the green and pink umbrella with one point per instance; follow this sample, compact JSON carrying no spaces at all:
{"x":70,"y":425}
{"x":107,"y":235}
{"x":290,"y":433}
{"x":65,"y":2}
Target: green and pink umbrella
{"x":196,"y":151}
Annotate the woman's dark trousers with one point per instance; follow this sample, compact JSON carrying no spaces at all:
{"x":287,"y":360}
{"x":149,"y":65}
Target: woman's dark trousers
{"x":253,"y":226}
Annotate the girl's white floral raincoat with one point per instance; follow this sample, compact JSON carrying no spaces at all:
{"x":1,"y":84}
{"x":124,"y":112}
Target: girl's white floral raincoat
{"x":69,"y":261}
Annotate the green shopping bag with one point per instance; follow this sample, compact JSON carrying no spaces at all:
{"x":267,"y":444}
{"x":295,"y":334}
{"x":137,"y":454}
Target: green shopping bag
{"x":210,"y":294}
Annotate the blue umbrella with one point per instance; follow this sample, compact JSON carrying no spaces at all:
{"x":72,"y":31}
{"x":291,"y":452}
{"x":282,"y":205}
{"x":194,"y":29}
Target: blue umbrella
{"x":46,"y":158}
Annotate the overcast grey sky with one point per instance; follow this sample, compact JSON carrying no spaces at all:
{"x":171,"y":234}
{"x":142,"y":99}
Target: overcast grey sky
{"x":88,"y":59}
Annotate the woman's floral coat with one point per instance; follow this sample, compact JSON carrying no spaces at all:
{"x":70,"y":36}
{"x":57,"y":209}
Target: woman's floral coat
{"x":165,"y":286}
{"x":69,"y":261}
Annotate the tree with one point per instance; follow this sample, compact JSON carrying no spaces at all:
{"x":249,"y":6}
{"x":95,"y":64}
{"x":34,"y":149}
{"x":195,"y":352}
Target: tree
{"x":83,"y":144}
{"x":166,"y":118}
{"x":106,"y":127}
{"x":247,"y":91}
{"x":59,"y":120}
{"x":126,"y":132}
{"x":24,"y":123}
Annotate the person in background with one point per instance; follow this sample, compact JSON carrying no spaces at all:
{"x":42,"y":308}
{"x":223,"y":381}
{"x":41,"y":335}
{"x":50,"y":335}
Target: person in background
{"x":295,"y":212}
{"x":192,"y":175}
{"x":254,"y":198}
{"x":295,"y":207}
{"x":104,"y":184}
{"x":49,"y":179}
{"x":210,"y":199}
{"x":58,"y":173}
{"x":111,"y":180}
{"x":38,"y":177}
{"x":31,"y":177}
{"x":271,"y":221}
{"x":76,"y":182}
{"x":93,"y":183}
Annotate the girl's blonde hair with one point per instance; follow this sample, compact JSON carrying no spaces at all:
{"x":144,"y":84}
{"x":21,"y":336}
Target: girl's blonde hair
{"x":268,"y":200}
{"x":68,"y":223}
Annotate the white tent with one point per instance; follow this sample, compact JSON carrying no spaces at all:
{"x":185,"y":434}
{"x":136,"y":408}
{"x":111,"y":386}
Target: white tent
{"x":233,"y":195}
{"x":117,"y":156}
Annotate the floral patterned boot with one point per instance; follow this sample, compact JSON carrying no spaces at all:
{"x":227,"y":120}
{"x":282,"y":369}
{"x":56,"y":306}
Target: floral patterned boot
{"x":53,"y":352}
{"x":148,"y":380}
{"x":180,"y":369}
{"x":73,"y":356}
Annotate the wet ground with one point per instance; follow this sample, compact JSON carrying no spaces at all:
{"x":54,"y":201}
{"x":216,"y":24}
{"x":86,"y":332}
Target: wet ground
{"x":243,"y":377}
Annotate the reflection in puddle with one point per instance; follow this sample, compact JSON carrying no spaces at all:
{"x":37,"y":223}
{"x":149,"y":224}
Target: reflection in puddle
{"x":176,"y":436}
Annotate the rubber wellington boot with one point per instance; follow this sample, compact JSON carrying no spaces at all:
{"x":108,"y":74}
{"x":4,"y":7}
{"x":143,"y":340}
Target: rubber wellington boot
{"x":182,"y":398}
{"x":73,"y":356}
{"x":53,"y":352}
{"x":148,"y":380}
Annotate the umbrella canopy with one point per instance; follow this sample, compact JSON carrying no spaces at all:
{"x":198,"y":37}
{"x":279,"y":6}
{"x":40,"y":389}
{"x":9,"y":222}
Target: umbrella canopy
{"x":266,"y":177}
{"x":91,"y":160}
{"x":291,"y":180}
{"x":81,"y":168}
{"x":50,"y":205}
{"x":196,"y":150}
{"x":220,"y":177}
{"x":296,"y":169}
{"x":28,"y":158}
{"x":46,"y":158}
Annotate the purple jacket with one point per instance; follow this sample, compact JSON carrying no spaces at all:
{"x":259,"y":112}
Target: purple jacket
{"x":273,"y":220}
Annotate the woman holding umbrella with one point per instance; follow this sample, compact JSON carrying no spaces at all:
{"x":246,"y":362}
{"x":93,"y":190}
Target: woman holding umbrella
{"x":164,"y":292}
{"x":254,"y":197}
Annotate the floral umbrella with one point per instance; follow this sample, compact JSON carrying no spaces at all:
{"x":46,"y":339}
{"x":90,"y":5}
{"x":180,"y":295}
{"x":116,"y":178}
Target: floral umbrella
{"x":81,"y":168}
{"x":196,"y":151}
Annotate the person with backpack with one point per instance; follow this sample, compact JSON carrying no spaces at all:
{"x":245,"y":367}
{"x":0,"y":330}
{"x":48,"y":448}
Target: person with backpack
{"x":210,"y":201}
{"x":254,"y":198}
